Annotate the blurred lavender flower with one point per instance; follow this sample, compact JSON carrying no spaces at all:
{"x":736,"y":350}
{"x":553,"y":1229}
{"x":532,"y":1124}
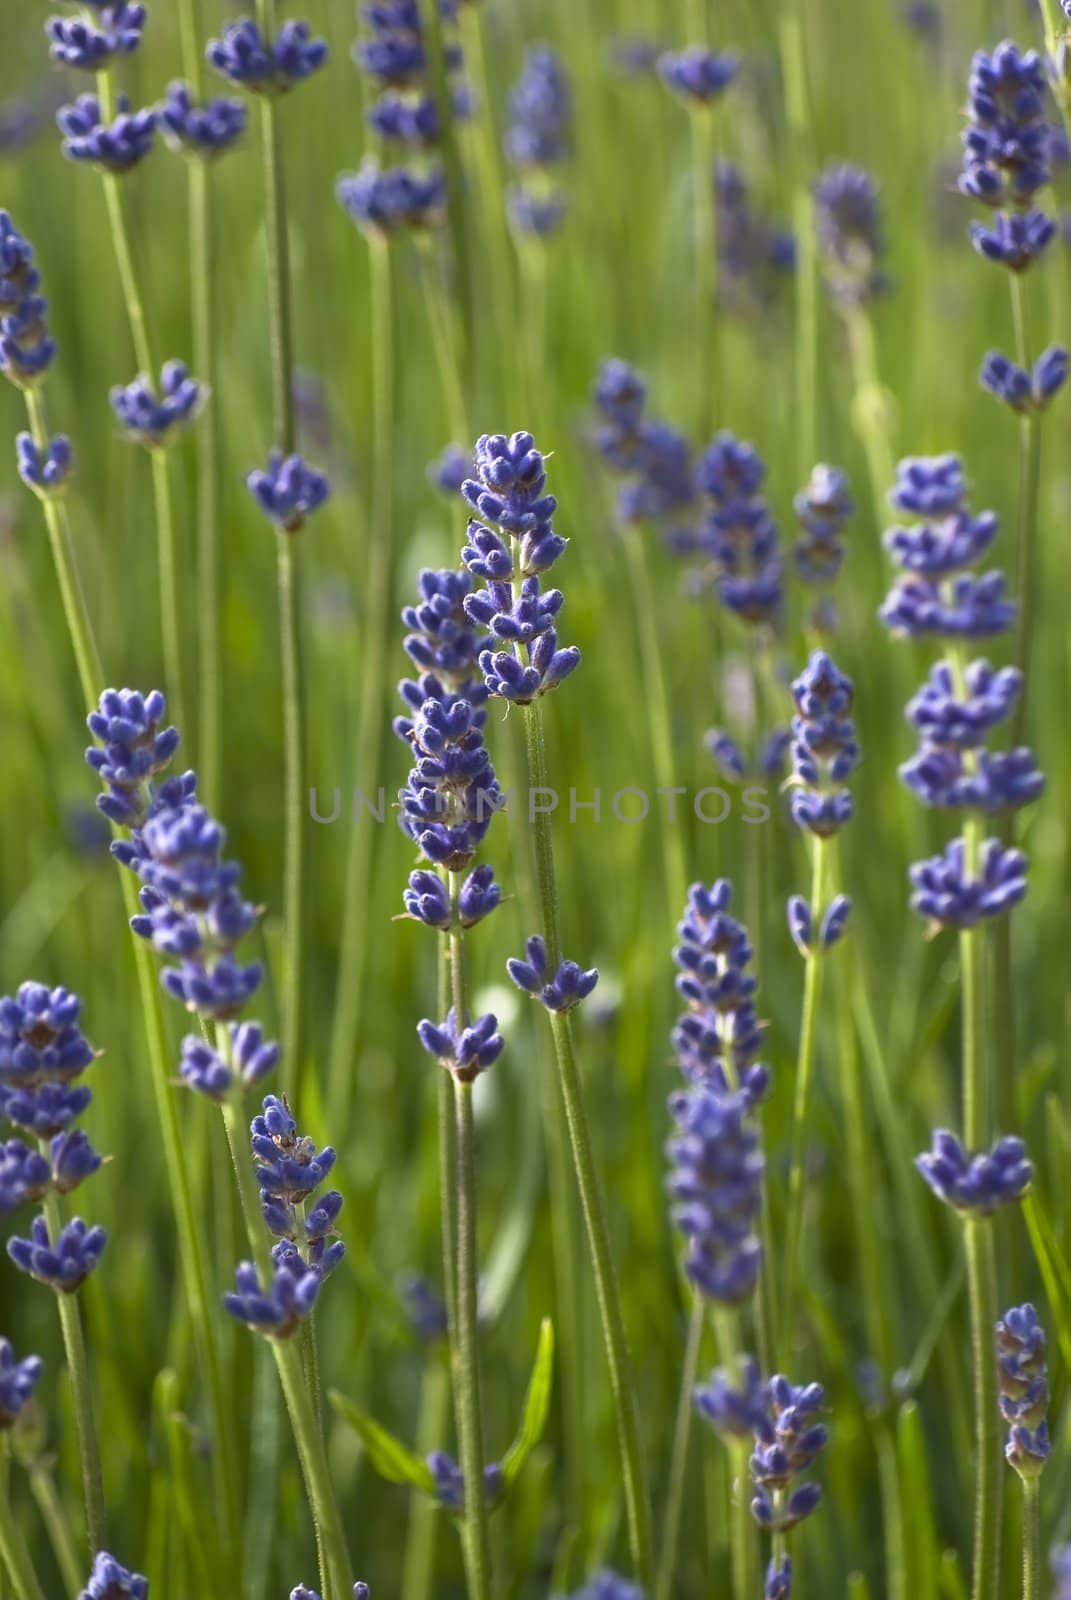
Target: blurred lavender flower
{"x":24,"y":1173}
{"x":1005,"y":141}
{"x":976,"y":1185}
{"x":44,"y":471}
{"x":18,"y":1380}
{"x":653,"y":459}
{"x":822,"y":508}
{"x":849,"y":232}
{"x":1024,"y":1389}
{"x":752,"y":256}
{"x":117,"y":146}
{"x":1026,"y":391}
{"x":1016,"y":240}
{"x":824,"y":748}
{"x":698,"y":75}
{"x":158,"y":423}
{"x":384,"y":202}
{"x":27,"y":349}
{"x":450,"y":469}
{"x":424,"y":1308}
{"x":739,"y":535}
{"x":607,"y":1585}
{"x":787,"y":1442}
{"x":288,"y":491}
{"x":945,"y":893}
{"x":110,"y":1581}
{"x":719,"y":1037}
{"x":261,"y":66}
{"x":779,"y":1579}
{"x":537,"y":141}
{"x":76,"y":42}
{"x":715,"y":1184}
{"x":204,"y":131}
{"x":1060,"y":1561}
{"x":252,"y":1058}
{"x":733,"y":1412}
{"x":450,"y":1482}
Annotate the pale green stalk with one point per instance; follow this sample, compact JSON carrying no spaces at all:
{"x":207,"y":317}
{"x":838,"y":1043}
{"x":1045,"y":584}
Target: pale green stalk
{"x":444,"y":342}
{"x":678,"y":1460}
{"x":170,"y":628}
{"x":870,"y":407}
{"x":13,"y":1554}
{"x":353,"y":952}
{"x":467,"y":1400}
{"x":190,"y":1244}
{"x":456,"y":202}
{"x":422,"y":1532}
{"x":280,"y":312}
{"x":1031,"y":1539}
{"x":705,"y":268}
{"x":804,"y":1081}
{"x":54,"y":1518}
{"x":203,"y":307}
{"x":791,"y":38}
{"x":743,"y":1532}
{"x":74,"y":1345}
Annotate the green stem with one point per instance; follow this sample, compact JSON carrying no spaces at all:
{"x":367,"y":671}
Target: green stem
{"x":467,"y":1400}
{"x":678,"y":1468}
{"x":1031,"y":1539}
{"x":456,"y":203}
{"x":443,"y":343}
{"x":705,"y":269}
{"x":798,"y":108}
{"x":236,"y":1128}
{"x":313,"y":1456}
{"x":658,"y":716}
{"x":743,"y":1532}
{"x":622,"y":1381}
{"x":869,"y":409}
{"x":422,"y":1532}
{"x":60,"y":1537}
{"x":804,"y":1082}
{"x":376,"y":613}
{"x":982,"y":1285}
{"x":70,"y":1315}
{"x":15,"y":1556}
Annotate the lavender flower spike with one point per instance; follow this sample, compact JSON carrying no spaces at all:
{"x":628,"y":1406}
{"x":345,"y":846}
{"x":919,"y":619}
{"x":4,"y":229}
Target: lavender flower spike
{"x":288,"y":491}
{"x":976,"y":1185}
{"x":17,"y":1382}
{"x":566,"y":989}
{"x":700,"y":76}
{"x":45,"y":471}
{"x":787,"y":1442}
{"x":202,"y":131}
{"x":263,"y":66}
{"x":75,"y":42}
{"x":110,"y":1581}
{"x":1024,"y":1389}
{"x":158,"y":423}
{"x":116,"y":147}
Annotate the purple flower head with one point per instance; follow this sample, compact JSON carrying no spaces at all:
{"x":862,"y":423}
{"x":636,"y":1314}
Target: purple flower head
{"x":89,"y":46}
{"x":566,"y":989}
{"x":45,"y":1111}
{"x":289,"y":1167}
{"x":779,"y":1579}
{"x":220,"y":992}
{"x":824,"y":748}
{"x":450,"y":470}
{"x":1005,"y":143}
{"x":19,"y":278}
{"x":40,"y":1037}
{"x":110,"y":1581}
{"x":288,"y":491}
{"x":620,"y":394}
{"x":976,"y":1185}
{"x":752,"y":256}
{"x":950,"y":722}
{"x":949,"y":897}
{"x":158,"y":422}
{"x":700,"y":76}
{"x":278,"y":1309}
{"x":540,"y":111}
{"x":73,"y":1160}
{"x":1023,"y":391}
{"x":465,"y":1052}
{"x":537,"y":214}
{"x":992,"y":783}
{"x":719,"y":1038}
{"x":18,"y":1379}
{"x":1016,"y":240}
{"x":27,"y":349}
{"x":131,"y":750}
{"x":63,"y":1263}
{"x":202,"y":130}
{"x":47,"y":469}
{"x":450,"y":1482}
{"x":823,"y":508}
{"x":414,"y":123}
{"x":261,"y":66}
{"x":788,"y":1440}
{"x":384,"y":202}
{"x":715,"y":1184}
{"x":847,"y":217}
{"x":117,"y":146}
{"x":25,"y":1175}
{"x":975,"y":609}
{"x":658,"y":465}
{"x":733,"y":1410}
{"x":452,"y":795}
{"x":441,"y":639}
{"x":1024,"y":1389}
{"x":509,"y":486}
{"x":739,"y":534}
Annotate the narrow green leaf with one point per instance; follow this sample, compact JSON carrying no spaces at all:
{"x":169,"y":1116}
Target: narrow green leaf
{"x":392,"y":1459}
{"x":536,"y":1406}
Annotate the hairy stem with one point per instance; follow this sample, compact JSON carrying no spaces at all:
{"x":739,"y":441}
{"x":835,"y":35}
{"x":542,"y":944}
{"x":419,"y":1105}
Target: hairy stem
{"x":1031,"y":1540}
{"x":43,"y":1488}
{"x":313,"y":1456}
{"x":982,"y":1286}
{"x":678,"y":1468}
{"x":798,"y":107}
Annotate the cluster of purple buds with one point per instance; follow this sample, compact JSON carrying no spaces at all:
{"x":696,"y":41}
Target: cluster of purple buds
{"x":847,"y":216}
{"x":44,"y":471}
{"x":43,"y":1054}
{"x":425,"y":1309}
{"x":653,"y":459}
{"x":266,"y":66}
{"x":115,"y":31}
{"x":1023,"y":1378}
{"x":607,"y":1585}
{"x":825,"y":752}
{"x":976,"y":1185}
{"x":787,"y":1441}
{"x":537,"y":141}
{"x":1005,"y":154}
{"x":698,"y":75}
{"x":449,"y":471}
{"x":734,"y":1409}
{"x":779,"y":1579}
{"x":950,"y":894}
{"x":1026,"y":392}
{"x":767,"y":765}
{"x":1060,"y":1561}
{"x":18,"y":1379}
{"x":116,"y":147}
{"x":560,"y":991}
{"x":248,"y":1059}
{"x":110,"y":1581}
{"x":518,"y":614}
{"x":442,"y":643}
{"x":158,"y":422}
{"x":715,"y":1185}
{"x":464,"y":1052}
{"x":753,"y":257}
{"x":27,"y":349}
{"x":939,"y":597}
{"x":822,"y":508}
{"x":450,"y":1482}
{"x":718,"y":1039}
{"x":951,"y":770}
{"x":203,"y":131}
{"x":384,"y":201}
{"x":289,"y":1170}
{"x":450,"y":799}
{"x":288,"y":491}
{"x":361,"y":1591}
{"x":192,"y":908}
{"x":738,"y":535}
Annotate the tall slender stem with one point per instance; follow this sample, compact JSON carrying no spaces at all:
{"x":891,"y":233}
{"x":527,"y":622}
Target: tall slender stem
{"x":70,"y":1315}
{"x":380,"y":566}
{"x":608,"y":1294}
{"x":792,"y":38}
{"x":802,"y":1104}
{"x":1031,"y":1540}
{"x":982,"y":1288}
{"x":678,"y":1461}
{"x":422,"y":1531}
{"x":14,"y":1556}
{"x":457,"y":204}
{"x":315,"y":1470}
{"x":43,"y":1488}
{"x":705,"y":268}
